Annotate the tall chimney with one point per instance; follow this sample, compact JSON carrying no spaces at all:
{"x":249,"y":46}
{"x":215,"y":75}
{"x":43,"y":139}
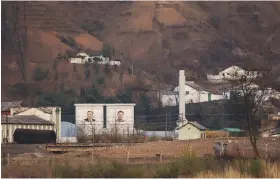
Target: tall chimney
{"x":182,"y":96}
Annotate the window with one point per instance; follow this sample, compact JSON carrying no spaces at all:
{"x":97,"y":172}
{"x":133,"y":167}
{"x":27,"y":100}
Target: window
{"x":209,"y":96}
{"x":104,"y":117}
{"x":187,"y":92}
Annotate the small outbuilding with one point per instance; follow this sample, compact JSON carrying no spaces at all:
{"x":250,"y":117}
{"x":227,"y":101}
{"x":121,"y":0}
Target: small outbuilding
{"x":191,"y":130}
{"x":233,"y":132}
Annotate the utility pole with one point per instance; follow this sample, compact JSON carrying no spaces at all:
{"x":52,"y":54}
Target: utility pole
{"x":132,"y":69}
{"x":165,"y":125}
{"x":7,"y":132}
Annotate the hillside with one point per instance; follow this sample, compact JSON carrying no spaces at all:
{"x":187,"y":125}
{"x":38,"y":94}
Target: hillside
{"x":158,"y":38}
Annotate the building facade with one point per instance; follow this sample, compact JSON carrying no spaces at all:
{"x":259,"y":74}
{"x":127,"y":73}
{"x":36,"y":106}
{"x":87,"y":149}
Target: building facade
{"x":82,"y":58}
{"x":105,"y":118}
{"x":18,"y":117}
{"x":232,"y":73}
{"x":190,"y":130}
{"x":10,"y":123}
{"x":194,"y":93}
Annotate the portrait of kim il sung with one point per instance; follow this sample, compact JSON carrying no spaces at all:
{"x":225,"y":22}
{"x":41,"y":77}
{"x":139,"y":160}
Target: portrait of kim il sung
{"x":90,"y":117}
{"x":120,"y":116}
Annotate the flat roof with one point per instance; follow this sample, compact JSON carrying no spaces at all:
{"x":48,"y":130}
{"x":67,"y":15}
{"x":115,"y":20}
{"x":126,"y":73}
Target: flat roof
{"x":101,"y":104}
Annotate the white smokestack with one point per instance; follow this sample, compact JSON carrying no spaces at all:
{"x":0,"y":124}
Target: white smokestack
{"x":182,"y":96}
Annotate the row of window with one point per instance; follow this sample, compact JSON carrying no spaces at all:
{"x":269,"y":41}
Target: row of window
{"x":247,"y":73}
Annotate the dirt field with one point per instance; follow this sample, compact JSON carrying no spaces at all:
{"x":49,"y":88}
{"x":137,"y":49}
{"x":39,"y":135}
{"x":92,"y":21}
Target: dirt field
{"x":152,"y":150}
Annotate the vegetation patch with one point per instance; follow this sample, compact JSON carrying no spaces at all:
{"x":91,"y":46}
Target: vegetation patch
{"x":40,"y":74}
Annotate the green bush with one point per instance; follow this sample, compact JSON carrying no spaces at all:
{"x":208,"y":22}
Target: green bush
{"x":40,"y":74}
{"x":215,"y":22}
{"x":255,"y":168}
{"x":100,"y":80}
{"x":167,"y":171}
{"x":87,"y":74}
{"x":92,"y":27}
{"x":68,"y":41}
{"x":153,"y":138}
{"x":107,"y":51}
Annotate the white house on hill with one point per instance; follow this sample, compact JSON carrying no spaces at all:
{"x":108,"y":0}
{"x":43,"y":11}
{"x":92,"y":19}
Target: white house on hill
{"x":82,"y":58}
{"x":194,"y":94}
{"x":232,"y":73}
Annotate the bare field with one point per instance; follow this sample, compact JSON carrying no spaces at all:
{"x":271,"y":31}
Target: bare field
{"x":151,"y":151}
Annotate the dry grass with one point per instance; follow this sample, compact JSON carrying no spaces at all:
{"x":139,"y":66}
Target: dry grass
{"x":230,"y":172}
{"x":186,"y":166}
{"x":89,"y":41}
{"x":170,"y":17}
{"x":139,"y":20}
{"x":215,"y":134}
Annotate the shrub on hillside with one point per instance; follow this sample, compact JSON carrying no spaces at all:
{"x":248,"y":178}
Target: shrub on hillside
{"x":87,"y":74}
{"x":215,"y":22}
{"x":68,"y":41}
{"x":101,"y":80}
{"x":40,"y":74}
{"x":92,"y":27}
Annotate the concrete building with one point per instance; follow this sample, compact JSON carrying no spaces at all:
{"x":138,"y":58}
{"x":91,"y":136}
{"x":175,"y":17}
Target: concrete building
{"x":190,"y":130}
{"x":195,"y":93}
{"x":232,"y":73}
{"x":10,"y":123}
{"x":105,"y":118}
{"x":18,"y":117}
{"x":82,"y":58}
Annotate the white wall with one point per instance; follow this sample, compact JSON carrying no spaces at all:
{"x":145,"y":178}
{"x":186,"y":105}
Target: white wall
{"x":53,"y":117}
{"x":192,"y":96}
{"x":85,"y":59}
{"x":127,"y":126}
{"x":159,"y":133}
{"x":36,"y":112}
{"x":189,"y":132}
{"x":111,"y":114}
{"x":169,"y":100}
{"x":231,"y":73}
{"x":81,"y":115}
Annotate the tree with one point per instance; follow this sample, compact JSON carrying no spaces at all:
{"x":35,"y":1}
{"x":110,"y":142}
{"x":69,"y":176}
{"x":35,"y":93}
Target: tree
{"x":107,"y":69}
{"x":254,"y":94}
{"x":87,"y":74}
{"x":107,"y":51}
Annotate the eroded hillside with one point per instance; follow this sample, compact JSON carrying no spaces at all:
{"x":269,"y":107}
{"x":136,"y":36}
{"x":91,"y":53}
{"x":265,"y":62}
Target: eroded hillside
{"x":156,"y":37}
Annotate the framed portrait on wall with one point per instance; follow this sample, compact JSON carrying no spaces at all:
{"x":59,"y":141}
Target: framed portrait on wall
{"x":120,"y":116}
{"x":90,"y":117}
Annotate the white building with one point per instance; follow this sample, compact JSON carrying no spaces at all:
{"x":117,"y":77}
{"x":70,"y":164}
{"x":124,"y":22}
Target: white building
{"x":105,"y":118}
{"x":194,"y":93}
{"x":232,"y":73}
{"x":82,"y":58}
{"x":190,"y":130}
{"x":44,"y":118}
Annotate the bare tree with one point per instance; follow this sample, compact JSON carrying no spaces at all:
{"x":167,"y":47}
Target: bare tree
{"x":21,"y":39}
{"x":254,"y":93}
